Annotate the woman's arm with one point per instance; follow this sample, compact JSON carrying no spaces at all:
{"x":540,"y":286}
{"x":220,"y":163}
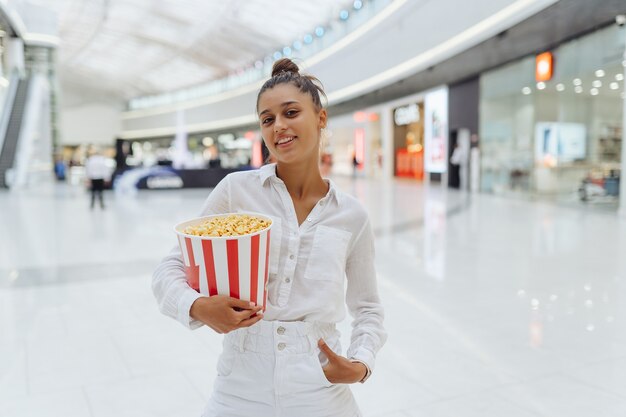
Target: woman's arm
{"x":169,"y":283}
{"x":363,"y":301}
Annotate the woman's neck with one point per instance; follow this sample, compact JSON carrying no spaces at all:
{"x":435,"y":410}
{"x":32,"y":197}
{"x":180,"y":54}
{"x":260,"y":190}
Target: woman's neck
{"x":303,"y":180}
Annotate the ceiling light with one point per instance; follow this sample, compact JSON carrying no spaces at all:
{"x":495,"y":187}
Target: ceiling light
{"x":526,"y":91}
{"x":258,"y":64}
{"x":286,"y":51}
{"x":357,"y":4}
{"x":297,"y":45}
{"x":597,"y":83}
{"x":619,"y":77}
{"x":560,"y":87}
{"x":624,"y":63}
{"x":308,"y":38}
{"x":578,"y":89}
{"x":319,"y":31}
{"x":600,"y":73}
{"x":541,"y":85}
{"x":344,"y":15}
{"x":594,"y":91}
{"x":277,"y":55}
{"x":614,"y":86}
{"x":577,"y":81}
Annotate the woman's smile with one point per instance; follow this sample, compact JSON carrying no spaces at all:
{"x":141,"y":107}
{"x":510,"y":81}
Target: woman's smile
{"x":284,"y":141}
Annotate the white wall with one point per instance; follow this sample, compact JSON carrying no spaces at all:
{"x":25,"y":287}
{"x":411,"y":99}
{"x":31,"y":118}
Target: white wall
{"x":88,"y":117}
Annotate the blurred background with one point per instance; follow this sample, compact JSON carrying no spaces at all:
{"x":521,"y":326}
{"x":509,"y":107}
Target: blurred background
{"x":485,"y":138}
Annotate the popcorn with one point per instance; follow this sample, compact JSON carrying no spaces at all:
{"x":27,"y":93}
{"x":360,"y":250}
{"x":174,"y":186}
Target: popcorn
{"x":230,"y":225}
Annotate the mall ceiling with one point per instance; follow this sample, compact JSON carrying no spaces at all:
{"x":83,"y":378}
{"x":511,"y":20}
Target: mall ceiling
{"x":563,"y":21}
{"x":139,"y":47}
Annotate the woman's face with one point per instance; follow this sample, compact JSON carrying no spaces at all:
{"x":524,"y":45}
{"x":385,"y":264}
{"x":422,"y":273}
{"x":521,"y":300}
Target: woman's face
{"x":290,"y":124}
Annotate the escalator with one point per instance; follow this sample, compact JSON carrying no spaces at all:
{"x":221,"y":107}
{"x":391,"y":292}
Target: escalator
{"x":14,"y":128}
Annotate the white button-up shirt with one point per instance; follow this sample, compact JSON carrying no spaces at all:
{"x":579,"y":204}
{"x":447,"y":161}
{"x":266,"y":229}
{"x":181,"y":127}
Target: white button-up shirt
{"x":316,"y":268}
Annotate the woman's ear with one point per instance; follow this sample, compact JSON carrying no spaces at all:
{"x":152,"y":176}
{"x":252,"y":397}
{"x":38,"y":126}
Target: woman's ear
{"x":323,"y":118}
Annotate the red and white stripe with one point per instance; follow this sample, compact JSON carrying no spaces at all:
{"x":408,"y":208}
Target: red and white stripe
{"x":237,"y":267}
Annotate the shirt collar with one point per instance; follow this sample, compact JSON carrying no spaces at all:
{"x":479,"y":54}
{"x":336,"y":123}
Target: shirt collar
{"x":266,"y":172}
{"x":269,"y":171}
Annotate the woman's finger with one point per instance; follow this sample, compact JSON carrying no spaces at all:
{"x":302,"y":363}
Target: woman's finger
{"x":241,"y":304}
{"x":252,"y":320}
{"x":246,"y":314}
{"x":326,"y":349}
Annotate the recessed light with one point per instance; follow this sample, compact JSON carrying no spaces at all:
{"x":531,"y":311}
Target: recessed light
{"x":600,"y":73}
{"x":577,"y":81}
{"x":597,"y":83}
{"x":619,"y":77}
{"x":526,"y":91}
{"x":541,"y":85}
{"x":614,"y":86}
{"x":560,"y":87}
{"x":578,"y":89}
{"x":594,"y":91}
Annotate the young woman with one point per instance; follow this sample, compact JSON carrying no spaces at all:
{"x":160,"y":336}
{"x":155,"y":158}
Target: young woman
{"x":288,"y":362}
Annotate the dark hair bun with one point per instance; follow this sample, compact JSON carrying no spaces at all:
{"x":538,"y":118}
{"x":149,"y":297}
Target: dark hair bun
{"x":284,"y":65}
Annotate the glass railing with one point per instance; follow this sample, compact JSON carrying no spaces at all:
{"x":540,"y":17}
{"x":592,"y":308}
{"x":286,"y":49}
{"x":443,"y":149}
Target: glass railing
{"x":309,"y":45}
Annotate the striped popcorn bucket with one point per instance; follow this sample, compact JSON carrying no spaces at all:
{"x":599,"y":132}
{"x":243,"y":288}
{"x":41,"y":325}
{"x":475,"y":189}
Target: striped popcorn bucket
{"x":236,"y":266}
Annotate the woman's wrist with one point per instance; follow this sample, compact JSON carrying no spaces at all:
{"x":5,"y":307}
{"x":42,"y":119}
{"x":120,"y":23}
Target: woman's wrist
{"x":365,"y":370}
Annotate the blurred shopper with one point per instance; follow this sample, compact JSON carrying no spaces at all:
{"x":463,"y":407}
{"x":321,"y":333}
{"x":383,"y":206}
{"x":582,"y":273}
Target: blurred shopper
{"x":289,"y":361}
{"x":97,"y":173}
{"x":59,"y":169}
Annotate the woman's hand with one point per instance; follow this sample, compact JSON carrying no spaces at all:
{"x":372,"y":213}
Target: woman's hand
{"x":341,"y":370}
{"x":225,"y":314}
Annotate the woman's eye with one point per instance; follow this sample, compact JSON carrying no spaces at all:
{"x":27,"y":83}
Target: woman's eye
{"x":266,"y":120}
{"x":291,"y":113}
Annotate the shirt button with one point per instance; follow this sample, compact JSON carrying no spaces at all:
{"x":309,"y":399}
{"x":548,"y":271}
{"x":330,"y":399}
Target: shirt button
{"x":310,"y":219}
{"x":281,"y":346}
{"x":291,"y":256}
{"x":287,"y":280}
{"x":280,"y":330}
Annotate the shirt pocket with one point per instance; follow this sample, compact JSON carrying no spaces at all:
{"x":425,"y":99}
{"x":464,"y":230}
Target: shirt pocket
{"x":327,"y":261}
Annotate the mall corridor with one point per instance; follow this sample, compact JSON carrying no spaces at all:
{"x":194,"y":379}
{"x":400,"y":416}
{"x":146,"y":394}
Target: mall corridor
{"x":494,"y":307}
{"x":435,"y":188}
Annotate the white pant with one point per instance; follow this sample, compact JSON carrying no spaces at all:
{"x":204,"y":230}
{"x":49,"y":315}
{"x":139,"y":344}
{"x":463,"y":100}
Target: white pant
{"x":274,"y":369}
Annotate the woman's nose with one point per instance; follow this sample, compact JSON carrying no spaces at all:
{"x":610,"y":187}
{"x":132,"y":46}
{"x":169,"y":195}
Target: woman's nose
{"x":279,"y":124}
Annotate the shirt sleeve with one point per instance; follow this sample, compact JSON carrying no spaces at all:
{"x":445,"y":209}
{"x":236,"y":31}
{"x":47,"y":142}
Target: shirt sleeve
{"x":169,"y":283}
{"x":363,"y":301}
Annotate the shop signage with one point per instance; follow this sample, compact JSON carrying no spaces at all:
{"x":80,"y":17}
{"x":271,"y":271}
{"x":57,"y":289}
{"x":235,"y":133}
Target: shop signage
{"x":436,"y":131}
{"x":160,"y":182}
{"x":405,"y":115}
{"x":543,"y":67}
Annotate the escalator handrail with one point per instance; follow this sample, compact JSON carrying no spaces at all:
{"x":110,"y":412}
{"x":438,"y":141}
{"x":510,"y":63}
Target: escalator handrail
{"x":7,"y":107}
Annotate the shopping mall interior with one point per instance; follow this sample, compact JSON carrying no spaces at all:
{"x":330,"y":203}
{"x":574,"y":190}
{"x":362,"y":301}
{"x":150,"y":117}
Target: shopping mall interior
{"x":483,"y":139}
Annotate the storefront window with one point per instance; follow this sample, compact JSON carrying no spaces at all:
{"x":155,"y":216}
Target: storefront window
{"x":549,"y":138}
{"x":408,"y":136}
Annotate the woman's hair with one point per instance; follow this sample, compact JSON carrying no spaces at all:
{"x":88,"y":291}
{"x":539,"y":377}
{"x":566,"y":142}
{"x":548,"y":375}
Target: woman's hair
{"x":285,"y":71}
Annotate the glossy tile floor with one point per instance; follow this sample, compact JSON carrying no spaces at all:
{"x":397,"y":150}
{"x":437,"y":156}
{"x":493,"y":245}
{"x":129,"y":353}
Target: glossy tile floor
{"x":495,"y":307}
